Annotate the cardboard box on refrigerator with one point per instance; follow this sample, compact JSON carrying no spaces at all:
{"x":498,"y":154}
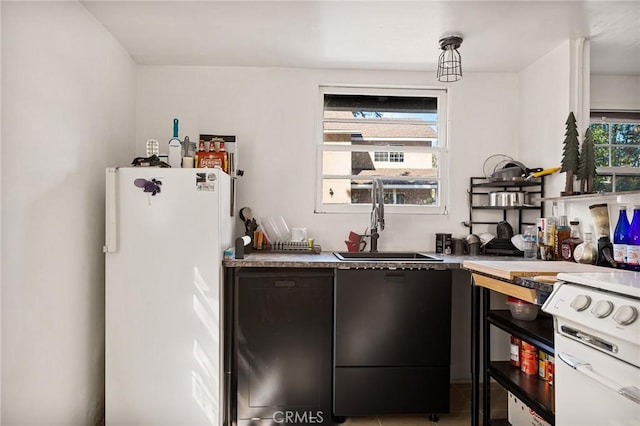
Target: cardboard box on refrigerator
{"x":521,"y":415}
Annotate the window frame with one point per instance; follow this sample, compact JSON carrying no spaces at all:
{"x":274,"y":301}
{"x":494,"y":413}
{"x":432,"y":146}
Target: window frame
{"x":442,"y":149}
{"x":611,"y":118}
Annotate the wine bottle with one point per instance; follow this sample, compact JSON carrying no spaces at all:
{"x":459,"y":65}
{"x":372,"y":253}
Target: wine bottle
{"x":633,"y":245}
{"x":175,"y":147}
{"x":621,"y":238}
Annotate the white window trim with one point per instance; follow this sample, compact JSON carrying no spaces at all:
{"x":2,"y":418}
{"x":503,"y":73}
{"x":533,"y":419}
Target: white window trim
{"x":443,"y":149}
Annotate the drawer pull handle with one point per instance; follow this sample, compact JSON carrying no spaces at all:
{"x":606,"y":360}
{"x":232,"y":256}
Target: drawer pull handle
{"x":397,"y":277}
{"x":285,"y":283}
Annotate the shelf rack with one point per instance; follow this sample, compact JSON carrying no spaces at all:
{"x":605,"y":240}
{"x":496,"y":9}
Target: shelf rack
{"x":532,"y":391}
{"x":480,"y":187}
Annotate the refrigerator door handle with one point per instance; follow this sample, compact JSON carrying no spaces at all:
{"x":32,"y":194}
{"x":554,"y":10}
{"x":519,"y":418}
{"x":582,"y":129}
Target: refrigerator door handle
{"x":111,"y":228}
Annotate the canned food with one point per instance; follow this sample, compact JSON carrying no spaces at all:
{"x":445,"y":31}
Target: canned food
{"x":542,"y":365}
{"x":529,"y":359}
{"x":550,"y":369}
{"x":515,"y":352}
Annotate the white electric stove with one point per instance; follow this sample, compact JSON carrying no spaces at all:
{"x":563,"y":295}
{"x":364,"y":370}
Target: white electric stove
{"x":597,"y":348}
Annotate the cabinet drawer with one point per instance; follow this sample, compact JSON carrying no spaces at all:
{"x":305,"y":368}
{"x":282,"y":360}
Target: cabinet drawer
{"x":392,"y":318}
{"x":368,"y":391}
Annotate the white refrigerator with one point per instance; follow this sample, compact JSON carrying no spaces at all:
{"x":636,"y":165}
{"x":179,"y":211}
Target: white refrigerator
{"x":166,"y":230}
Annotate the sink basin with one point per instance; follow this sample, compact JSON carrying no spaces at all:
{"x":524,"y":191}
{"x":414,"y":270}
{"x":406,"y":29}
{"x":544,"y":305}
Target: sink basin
{"x":385,"y":256}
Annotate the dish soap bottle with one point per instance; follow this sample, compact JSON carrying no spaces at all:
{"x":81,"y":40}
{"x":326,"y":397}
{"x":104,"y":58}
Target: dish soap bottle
{"x":175,"y":147}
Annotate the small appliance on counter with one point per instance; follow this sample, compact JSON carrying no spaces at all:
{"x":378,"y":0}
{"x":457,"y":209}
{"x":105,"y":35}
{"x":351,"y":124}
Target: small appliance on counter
{"x":600,"y":215}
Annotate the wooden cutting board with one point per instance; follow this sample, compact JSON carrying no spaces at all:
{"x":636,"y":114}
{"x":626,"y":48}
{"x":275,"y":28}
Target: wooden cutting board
{"x":510,"y":269}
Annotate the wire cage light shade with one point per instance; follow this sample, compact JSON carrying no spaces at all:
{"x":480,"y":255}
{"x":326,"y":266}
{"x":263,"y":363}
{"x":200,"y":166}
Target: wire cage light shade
{"x":450,"y":62}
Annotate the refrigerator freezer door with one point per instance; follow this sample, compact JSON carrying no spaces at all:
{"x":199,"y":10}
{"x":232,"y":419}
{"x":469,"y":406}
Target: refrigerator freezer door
{"x":163,"y":334}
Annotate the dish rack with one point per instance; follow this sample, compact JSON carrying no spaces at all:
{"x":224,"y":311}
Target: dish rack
{"x":293,"y":247}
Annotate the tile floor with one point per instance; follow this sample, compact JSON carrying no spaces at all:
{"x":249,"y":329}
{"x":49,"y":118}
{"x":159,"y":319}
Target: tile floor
{"x":460,"y":408}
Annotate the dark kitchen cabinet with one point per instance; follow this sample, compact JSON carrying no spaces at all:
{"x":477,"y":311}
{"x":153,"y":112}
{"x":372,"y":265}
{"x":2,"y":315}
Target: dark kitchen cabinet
{"x":392,"y":342}
{"x":283,"y":326}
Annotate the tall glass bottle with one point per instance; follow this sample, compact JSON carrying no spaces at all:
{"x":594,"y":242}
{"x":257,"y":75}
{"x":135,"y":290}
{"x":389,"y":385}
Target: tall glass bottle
{"x":633,"y":245}
{"x":569,"y":245}
{"x":563,"y":231}
{"x":621,"y":238}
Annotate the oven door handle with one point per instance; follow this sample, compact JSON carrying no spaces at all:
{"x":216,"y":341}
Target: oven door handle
{"x":630,"y":392}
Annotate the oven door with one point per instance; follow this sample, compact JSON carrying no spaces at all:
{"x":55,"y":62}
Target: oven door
{"x":593,"y":388}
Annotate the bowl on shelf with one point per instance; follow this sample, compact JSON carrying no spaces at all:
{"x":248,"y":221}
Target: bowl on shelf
{"x":522,"y":310}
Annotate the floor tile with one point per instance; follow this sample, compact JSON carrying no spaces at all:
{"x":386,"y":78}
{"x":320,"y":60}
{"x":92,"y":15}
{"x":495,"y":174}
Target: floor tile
{"x":460,"y":410}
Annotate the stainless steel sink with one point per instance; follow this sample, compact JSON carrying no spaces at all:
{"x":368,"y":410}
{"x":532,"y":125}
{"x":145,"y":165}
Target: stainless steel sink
{"x":385,"y":256}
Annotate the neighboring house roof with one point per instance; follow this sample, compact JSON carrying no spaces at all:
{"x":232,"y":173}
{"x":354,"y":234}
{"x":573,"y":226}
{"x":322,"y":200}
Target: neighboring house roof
{"x":415,"y":173}
{"x":377,"y":130}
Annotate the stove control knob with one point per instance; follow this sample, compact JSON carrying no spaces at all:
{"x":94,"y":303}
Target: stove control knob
{"x":625,"y":315}
{"x":581,"y":302}
{"x":602,"y":309}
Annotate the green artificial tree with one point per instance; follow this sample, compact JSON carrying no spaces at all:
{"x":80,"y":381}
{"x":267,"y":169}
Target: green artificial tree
{"x":570,"y":154}
{"x":587,"y":163}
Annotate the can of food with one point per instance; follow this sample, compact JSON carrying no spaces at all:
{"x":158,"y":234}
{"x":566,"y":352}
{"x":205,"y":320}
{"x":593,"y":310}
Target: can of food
{"x":514,"y":358}
{"x":529,"y":359}
{"x":542,"y":365}
{"x":550,"y":369}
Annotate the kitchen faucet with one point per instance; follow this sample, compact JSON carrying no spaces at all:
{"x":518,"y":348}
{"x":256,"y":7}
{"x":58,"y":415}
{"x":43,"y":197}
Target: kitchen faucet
{"x":377,"y":212}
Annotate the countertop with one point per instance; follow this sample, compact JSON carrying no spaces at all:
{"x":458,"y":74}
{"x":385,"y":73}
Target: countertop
{"x":327,"y":259}
{"x":510,"y":270}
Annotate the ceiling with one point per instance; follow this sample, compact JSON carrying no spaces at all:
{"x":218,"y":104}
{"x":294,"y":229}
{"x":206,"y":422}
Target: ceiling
{"x":499,"y":36}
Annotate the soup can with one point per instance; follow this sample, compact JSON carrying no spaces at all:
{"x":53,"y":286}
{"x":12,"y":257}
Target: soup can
{"x":542,"y":365}
{"x":514,"y":358}
{"x":529,"y":359}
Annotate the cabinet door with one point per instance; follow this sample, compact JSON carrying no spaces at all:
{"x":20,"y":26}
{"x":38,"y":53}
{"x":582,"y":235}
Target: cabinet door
{"x":393,"y":318}
{"x":284,"y":345}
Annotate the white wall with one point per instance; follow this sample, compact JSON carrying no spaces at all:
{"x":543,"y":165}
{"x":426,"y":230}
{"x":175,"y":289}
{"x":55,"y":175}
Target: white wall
{"x":544,"y":107}
{"x":615,"y":92}
{"x":68,"y":111}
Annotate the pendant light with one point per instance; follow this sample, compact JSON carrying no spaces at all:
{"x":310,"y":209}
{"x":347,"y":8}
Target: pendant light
{"x":450,"y":62}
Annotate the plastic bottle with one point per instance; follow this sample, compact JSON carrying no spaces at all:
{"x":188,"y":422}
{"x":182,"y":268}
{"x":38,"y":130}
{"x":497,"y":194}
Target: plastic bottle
{"x":620,"y":238}
{"x":175,"y":147}
{"x":633,"y":245}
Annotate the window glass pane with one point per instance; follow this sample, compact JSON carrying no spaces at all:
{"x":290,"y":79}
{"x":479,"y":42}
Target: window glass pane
{"x":602,"y":183}
{"x":627,"y":183}
{"x":626,"y":157}
{"x":625,"y":134}
{"x":600,"y":133}
{"x":407,"y":132}
{"x":358,"y":191}
{"x":602,"y":156}
{"x":381,"y":164}
{"x":369,"y":106}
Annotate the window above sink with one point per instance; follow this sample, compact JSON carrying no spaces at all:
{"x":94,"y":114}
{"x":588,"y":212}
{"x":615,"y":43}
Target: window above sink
{"x":396,"y":135}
